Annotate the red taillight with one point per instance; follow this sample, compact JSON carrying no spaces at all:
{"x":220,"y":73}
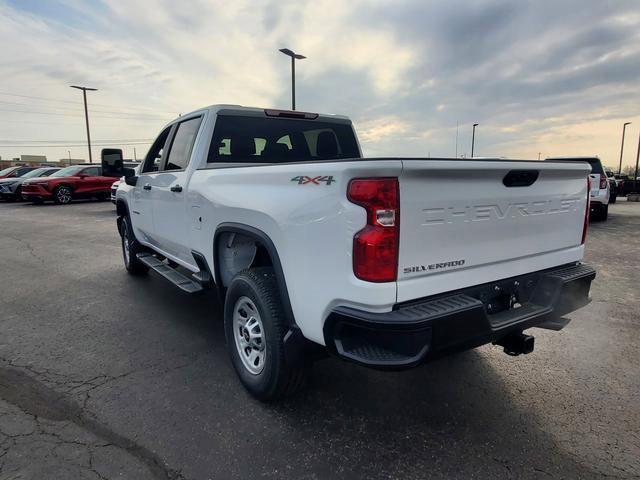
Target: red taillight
{"x":375,"y":247}
{"x":585,"y":227}
{"x":603,"y":181}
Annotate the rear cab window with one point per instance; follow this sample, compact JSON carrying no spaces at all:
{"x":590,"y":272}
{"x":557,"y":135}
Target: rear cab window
{"x":256,"y":139}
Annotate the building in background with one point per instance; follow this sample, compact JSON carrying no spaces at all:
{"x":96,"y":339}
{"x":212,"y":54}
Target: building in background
{"x":65,"y":162}
{"x":38,"y":161}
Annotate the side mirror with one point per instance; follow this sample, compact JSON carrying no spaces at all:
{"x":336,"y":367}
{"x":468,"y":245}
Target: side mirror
{"x":112,"y":162}
{"x":130,"y":177}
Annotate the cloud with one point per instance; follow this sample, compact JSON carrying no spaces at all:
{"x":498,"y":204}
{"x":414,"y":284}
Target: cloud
{"x":533,"y":74}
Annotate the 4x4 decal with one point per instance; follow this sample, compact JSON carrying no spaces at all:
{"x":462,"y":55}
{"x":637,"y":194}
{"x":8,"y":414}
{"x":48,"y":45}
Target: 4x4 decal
{"x":304,"y":180}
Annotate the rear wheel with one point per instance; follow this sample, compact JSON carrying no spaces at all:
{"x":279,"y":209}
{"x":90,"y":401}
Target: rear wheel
{"x":255,"y":327}
{"x":62,"y":195}
{"x":130,"y":249}
{"x":605,"y":213}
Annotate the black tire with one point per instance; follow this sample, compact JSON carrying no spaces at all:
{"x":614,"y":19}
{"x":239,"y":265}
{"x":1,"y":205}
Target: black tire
{"x":127,"y":237}
{"x":101,"y":197}
{"x":62,"y":195}
{"x":605,"y":213}
{"x":613,"y":199}
{"x":596,"y":213}
{"x":277,"y":379}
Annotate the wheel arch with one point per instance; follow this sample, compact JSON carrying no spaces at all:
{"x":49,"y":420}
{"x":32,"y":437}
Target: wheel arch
{"x":65,"y":184}
{"x":122,"y":209}
{"x":262,"y":241}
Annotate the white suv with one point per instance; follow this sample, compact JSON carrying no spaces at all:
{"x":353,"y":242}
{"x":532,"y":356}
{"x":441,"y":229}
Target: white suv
{"x":600,"y":189}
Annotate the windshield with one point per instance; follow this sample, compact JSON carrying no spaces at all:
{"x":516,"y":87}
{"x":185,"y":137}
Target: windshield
{"x":67,"y":172}
{"x":7,"y":171}
{"x":35,"y":173}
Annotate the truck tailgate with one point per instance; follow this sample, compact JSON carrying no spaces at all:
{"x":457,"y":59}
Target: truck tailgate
{"x":467,"y":222}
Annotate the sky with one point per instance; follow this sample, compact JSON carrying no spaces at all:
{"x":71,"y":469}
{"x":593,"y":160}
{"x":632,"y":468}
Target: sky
{"x":541,"y":77}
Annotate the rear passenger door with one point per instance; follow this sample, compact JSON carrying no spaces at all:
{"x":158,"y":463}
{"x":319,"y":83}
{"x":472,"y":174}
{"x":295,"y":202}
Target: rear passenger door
{"x":170,"y":216}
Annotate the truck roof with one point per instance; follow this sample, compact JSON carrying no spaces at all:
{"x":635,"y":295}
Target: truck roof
{"x":255,"y":111}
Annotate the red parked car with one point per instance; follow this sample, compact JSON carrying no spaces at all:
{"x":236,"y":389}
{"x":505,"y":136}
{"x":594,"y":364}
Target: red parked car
{"x":77,"y":181}
{"x":14,"y":172}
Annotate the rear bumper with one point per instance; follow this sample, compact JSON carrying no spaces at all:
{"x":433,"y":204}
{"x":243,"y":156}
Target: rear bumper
{"x":417,"y":331}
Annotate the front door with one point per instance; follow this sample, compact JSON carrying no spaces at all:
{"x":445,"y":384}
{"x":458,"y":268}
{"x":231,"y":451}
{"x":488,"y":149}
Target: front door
{"x":88,"y":181}
{"x":142,"y":196}
{"x":170,"y":219}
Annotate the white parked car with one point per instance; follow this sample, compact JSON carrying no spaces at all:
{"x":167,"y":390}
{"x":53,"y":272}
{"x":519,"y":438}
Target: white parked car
{"x":600,"y":187}
{"x":386,"y":262}
{"x":114,"y":187}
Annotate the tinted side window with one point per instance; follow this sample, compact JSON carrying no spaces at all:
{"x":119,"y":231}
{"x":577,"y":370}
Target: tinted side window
{"x":21,"y":171}
{"x":182,"y":144}
{"x":154,"y":156}
{"x":93,"y":171}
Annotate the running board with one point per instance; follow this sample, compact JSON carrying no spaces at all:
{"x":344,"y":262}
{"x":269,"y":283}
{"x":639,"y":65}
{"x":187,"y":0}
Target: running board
{"x":171,"y":274}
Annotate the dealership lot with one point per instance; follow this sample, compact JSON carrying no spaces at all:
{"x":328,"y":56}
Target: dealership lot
{"x":103,"y":375}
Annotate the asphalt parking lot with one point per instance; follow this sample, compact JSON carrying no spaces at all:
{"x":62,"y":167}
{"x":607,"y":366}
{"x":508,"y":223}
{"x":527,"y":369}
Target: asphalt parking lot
{"x":103,"y":375}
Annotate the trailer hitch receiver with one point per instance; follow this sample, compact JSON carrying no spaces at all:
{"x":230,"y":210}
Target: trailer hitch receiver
{"x":516,"y":343}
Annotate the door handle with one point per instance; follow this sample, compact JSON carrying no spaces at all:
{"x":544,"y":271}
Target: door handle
{"x":147,"y":186}
{"x":176,"y":188}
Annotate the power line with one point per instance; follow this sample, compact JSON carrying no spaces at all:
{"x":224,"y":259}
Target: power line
{"x":79,"y":110}
{"x":75,"y":145}
{"x":49,"y":99}
{"x":126,"y":115}
{"x":102,"y":124}
{"x":77,"y":141}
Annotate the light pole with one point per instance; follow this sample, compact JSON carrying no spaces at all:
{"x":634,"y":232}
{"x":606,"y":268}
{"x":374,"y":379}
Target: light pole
{"x":69,"y":152}
{"x":473,"y":138}
{"x":624,"y":127}
{"x":86,"y":114}
{"x":294,"y":56}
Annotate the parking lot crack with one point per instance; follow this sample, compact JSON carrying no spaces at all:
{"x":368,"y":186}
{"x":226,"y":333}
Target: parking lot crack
{"x":39,"y":401}
{"x":29,"y":248}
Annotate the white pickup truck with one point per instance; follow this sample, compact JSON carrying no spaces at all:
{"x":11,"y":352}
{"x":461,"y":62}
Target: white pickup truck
{"x":386,"y":262}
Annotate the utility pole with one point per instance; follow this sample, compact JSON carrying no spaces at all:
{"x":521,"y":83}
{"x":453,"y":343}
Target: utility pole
{"x":457,"y":125}
{"x":624,"y":127}
{"x":86,"y":114}
{"x":135,"y":159}
{"x":473,"y":138}
{"x":69,"y":152}
{"x":294,"y":56}
{"x":539,"y":153}
{"x":635,"y":178}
